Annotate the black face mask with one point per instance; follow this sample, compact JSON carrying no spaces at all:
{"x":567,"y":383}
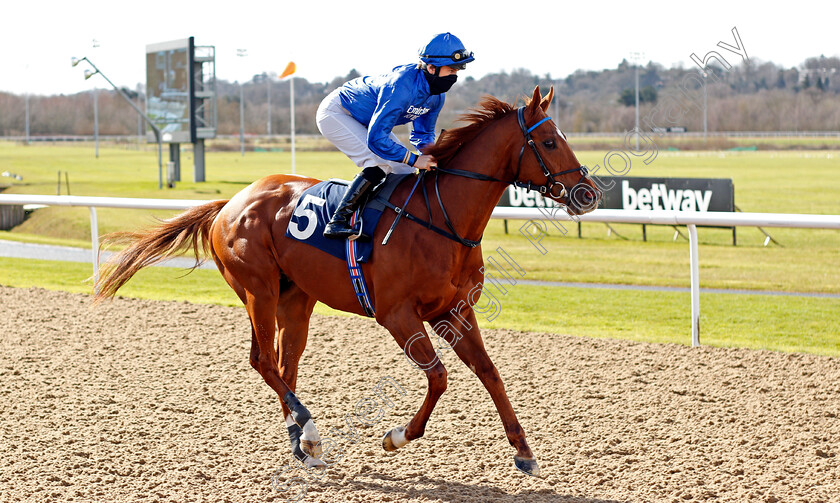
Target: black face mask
{"x":438,"y":84}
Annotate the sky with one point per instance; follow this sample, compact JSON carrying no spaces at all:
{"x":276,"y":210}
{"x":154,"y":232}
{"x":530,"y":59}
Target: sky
{"x":328,"y":38}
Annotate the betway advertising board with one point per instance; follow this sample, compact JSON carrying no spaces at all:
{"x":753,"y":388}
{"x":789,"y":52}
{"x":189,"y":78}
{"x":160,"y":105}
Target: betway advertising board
{"x":674,"y":194}
{"x":643,"y":193}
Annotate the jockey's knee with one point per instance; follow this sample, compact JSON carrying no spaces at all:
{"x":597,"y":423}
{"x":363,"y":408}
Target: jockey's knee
{"x":374,"y":174}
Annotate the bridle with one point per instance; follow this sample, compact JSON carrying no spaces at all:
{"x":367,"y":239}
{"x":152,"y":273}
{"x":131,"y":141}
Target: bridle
{"x":550,"y":184}
{"x":549,"y":187}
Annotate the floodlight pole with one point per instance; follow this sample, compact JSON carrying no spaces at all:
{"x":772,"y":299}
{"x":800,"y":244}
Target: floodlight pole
{"x":26,"y":105}
{"x":637,"y":108}
{"x":268,"y":87}
{"x":96,"y":121}
{"x":637,"y":57}
{"x":27,"y":117}
{"x":155,"y":129}
{"x":242,"y":119}
{"x":139,"y":120}
{"x":241,"y":53}
{"x":705,"y":107}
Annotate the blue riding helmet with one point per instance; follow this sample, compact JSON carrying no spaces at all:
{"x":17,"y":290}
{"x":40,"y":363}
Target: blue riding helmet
{"x":446,"y":49}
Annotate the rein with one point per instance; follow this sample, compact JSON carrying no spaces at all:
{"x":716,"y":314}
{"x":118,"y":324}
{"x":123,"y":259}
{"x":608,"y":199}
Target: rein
{"x":547,"y":188}
{"x":454,"y":236}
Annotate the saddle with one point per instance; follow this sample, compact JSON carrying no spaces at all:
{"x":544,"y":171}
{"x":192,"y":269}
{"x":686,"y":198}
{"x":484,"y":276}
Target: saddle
{"x":314,"y":210}
{"x":317,"y":205}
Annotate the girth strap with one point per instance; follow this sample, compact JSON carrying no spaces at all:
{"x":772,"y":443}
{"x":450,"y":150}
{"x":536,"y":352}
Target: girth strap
{"x":357,"y":277}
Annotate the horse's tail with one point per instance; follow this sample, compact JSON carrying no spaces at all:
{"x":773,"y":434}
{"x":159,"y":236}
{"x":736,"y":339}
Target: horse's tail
{"x":151,"y":246}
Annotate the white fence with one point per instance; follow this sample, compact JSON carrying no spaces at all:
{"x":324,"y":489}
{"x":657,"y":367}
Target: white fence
{"x":689,"y":219}
{"x":599,"y":134}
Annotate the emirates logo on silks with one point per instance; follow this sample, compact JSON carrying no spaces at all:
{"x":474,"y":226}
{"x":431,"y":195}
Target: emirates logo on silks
{"x":415,"y":112}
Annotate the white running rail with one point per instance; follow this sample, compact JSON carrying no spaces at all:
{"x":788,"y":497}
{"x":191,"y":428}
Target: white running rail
{"x":687,"y":218}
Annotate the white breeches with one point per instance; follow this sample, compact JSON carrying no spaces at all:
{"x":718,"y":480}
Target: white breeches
{"x":350,"y":136}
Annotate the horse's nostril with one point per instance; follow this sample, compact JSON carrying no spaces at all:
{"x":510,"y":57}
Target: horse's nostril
{"x":590,"y":197}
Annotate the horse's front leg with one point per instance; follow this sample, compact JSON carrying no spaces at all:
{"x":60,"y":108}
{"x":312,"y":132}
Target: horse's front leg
{"x":462,"y":333}
{"x":411,"y":336}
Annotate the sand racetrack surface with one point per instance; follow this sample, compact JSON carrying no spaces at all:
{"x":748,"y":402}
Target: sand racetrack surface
{"x":136,"y":400}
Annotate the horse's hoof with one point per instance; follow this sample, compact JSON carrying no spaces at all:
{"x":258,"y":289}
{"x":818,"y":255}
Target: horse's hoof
{"x":311,"y":448}
{"x":394,"y":439}
{"x":311,"y":462}
{"x":527,"y":465}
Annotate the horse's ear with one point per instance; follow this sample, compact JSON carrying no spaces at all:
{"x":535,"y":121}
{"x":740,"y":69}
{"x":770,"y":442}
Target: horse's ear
{"x":547,"y":100}
{"x":535,"y":99}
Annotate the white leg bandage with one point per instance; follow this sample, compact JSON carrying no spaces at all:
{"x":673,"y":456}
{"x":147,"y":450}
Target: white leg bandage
{"x":398,"y":437}
{"x":310,"y":441}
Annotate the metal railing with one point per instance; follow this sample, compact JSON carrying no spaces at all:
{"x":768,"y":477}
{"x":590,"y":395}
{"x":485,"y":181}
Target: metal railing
{"x":599,"y":134}
{"x":690,"y":219}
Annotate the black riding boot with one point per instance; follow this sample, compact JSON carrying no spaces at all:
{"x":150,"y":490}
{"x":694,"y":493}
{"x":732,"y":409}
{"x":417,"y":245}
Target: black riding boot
{"x":339,"y":226}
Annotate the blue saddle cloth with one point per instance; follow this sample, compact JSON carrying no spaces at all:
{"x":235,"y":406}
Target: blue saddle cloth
{"x":316,"y":206}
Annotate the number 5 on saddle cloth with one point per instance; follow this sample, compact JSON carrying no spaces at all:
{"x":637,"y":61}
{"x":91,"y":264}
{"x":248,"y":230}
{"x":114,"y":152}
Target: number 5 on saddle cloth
{"x":314,"y":210}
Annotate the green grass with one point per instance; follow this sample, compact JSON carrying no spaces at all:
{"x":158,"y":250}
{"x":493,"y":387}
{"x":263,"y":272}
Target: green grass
{"x":133,"y":173}
{"x":781,"y":323}
{"x":712,"y":143}
{"x":783,"y":181}
{"x":156,"y":283}
{"x":798,"y":324}
{"x":807,"y":262}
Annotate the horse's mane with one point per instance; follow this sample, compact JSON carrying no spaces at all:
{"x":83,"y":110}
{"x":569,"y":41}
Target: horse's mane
{"x":488,"y":110}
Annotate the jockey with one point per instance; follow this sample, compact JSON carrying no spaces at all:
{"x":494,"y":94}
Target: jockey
{"x":358,"y":118}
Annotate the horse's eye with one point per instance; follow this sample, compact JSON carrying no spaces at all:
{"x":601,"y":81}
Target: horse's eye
{"x":549,"y":144}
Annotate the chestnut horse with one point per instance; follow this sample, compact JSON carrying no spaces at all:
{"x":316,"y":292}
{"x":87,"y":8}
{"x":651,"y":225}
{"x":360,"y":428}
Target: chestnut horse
{"x":419,"y":276}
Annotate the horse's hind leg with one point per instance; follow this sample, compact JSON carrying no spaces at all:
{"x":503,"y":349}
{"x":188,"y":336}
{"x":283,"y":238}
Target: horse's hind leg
{"x":259,"y":286}
{"x":240,"y":292}
{"x":294,"y":309}
{"x":470,"y":349}
{"x":262,"y":309}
